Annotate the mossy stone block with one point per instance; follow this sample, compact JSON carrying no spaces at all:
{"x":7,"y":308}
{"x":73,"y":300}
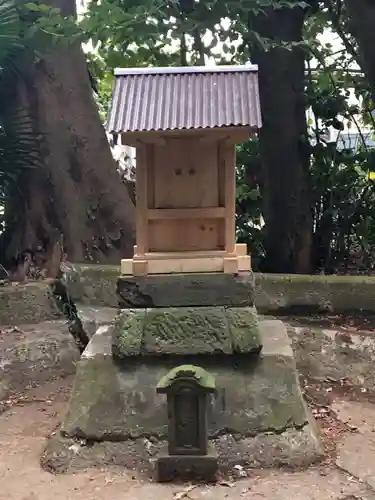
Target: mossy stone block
{"x":186,"y":331}
{"x":128,"y":332}
{"x":244,"y":328}
{"x":202,"y":377}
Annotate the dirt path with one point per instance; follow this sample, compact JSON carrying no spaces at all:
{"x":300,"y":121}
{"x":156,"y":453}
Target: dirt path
{"x":25,"y":425}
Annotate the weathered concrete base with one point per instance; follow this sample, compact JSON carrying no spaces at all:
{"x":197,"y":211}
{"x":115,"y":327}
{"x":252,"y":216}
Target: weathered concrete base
{"x":186,"y":290}
{"x":204,"y":468}
{"x":294,"y":448}
{"x":258,"y":418}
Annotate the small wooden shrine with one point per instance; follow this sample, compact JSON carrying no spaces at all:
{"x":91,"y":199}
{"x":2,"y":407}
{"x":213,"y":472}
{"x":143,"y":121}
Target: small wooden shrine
{"x":185,"y":124}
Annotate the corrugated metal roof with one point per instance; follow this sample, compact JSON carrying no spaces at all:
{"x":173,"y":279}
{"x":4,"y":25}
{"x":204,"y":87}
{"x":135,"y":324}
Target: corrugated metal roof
{"x":152,"y":99}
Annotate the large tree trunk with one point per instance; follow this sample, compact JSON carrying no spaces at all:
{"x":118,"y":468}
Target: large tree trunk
{"x":283,"y":141}
{"x":76,"y":191}
{"x":362,"y":27}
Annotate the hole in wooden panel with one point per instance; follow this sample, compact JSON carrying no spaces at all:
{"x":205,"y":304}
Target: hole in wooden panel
{"x":199,"y":187}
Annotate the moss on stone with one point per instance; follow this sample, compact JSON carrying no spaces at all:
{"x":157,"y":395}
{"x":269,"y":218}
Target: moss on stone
{"x":27,"y":303}
{"x":43,"y":352}
{"x":199,"y":374}
{"x":128,"y":332}
{"x":119,"y":402}
{"x":186,"y":330}
{"x":104,"y":403}
{"x":244,"y":328}
{"x":93,"y":284}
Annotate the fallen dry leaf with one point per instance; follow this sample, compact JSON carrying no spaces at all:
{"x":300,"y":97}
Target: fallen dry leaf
{"x":226,"y":483}
{"x":184,"y":493}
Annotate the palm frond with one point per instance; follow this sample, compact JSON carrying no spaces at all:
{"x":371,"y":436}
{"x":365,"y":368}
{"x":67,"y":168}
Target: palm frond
{"x":18,"y":142}
{"x":10,"y":29}
{"x":19,"y":145}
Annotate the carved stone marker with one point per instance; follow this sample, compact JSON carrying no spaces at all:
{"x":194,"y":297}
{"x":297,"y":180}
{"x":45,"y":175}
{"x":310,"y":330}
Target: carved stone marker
{"x":187,"y":388}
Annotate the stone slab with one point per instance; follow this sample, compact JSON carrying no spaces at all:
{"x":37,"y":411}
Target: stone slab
{"x":27,"y":303}
{"x":355,"y":455}
{"x":356,"y":451}
{"x":116,"y":400}
{"x":186,"y":331}
{"x":176,"y":467}
{"x":93,"y":285}
{"x":186,"y":290}
{"x":34,"y":354}
{"x":334,"y":354}
{"x":359,"y":416}
{"x":94,"y":317}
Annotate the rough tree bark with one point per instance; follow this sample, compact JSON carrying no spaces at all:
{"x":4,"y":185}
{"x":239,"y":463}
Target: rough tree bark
{"x":283,"y":140}
{"x":362,"y":27}
{"x":76,"y":191}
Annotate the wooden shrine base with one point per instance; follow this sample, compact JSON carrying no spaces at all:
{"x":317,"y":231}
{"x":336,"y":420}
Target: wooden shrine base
{"x":188,"y":262}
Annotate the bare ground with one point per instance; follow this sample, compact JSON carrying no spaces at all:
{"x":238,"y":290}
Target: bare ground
{"x":31,"y":417}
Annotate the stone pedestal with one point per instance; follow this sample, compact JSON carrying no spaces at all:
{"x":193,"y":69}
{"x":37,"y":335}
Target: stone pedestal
{"x":257,"y":418}
{"x":170,"y":467}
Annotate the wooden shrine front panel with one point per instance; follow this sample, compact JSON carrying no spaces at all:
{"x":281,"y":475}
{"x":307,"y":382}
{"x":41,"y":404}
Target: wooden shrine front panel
{"x":184,"y":173}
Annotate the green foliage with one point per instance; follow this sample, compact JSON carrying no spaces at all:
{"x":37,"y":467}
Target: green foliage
{"x":104,"y":82}
{"x":131,"y":33}
{"x":43,"y":27}
{"x":249,"y":207}
{"x":344,"y":206}
{"x":162,"y":33}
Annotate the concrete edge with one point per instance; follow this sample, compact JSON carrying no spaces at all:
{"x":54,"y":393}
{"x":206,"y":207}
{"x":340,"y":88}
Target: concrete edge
{"x":275,"y":338}
{"x":100,"y":343}
{"x":309,"y":293}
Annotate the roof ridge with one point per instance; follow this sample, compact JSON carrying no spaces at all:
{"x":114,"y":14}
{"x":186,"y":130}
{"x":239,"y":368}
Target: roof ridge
{"x":182,"y":70}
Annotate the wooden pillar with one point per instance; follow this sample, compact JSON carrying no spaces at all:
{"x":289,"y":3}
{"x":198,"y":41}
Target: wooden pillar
{"x":141,"y":209}
{"x":229,"y":152}
{"x":141,"y":201}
